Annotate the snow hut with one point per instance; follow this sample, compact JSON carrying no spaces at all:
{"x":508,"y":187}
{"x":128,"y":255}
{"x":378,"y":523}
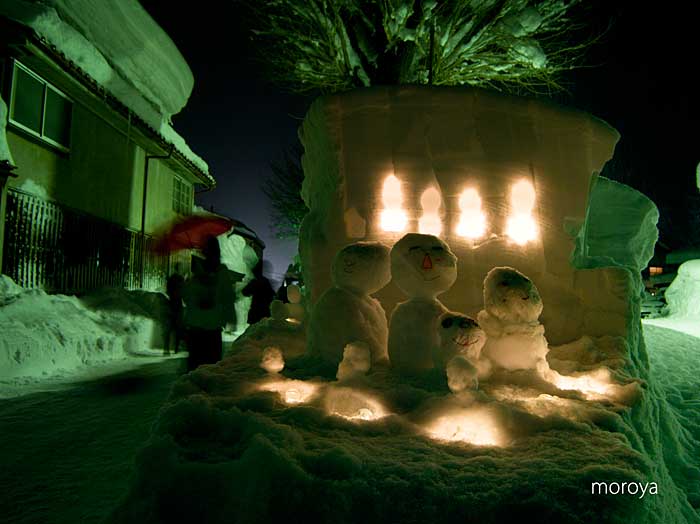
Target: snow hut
{"x":503,"y":180}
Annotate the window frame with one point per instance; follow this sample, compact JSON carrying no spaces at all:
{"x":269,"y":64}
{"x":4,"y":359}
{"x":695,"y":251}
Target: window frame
{"x":177,"y":204}
{"x":16,"y":64}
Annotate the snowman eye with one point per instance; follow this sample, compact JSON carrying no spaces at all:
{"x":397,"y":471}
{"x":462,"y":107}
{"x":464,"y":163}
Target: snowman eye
{"x":438,"y":248}
{"x":447,"y":323}
{"x":413,"y":248}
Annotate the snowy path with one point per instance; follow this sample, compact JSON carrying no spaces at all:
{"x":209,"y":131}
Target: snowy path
{"x":66,"y":456}
{"x":675,"y":362}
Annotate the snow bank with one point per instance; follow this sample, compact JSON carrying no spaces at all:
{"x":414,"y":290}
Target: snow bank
{"x":44,"y":335}
{"x":237,"y":444}
{"x":683,"y":295}
{"x":120,"y":47}
{"x":4,"y":147}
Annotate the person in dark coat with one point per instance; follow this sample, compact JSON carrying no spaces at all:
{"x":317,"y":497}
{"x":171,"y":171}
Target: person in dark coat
{"x":262,"y":294}
{"x":175,"y":328}
{"x":209,"y":299}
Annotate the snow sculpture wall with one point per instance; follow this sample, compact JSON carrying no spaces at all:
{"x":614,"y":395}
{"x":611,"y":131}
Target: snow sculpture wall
{"x":450,"y":140}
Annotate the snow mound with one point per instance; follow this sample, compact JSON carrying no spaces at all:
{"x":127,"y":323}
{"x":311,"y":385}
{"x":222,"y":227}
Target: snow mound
{"x":683,"y":295}
{"x":45,"y":335}
{"x":237,"y":444}
{"x":123,"y":49}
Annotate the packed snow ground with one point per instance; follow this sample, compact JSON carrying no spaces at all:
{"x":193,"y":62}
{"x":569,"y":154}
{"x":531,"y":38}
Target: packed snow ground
{"x":67,"y":454}
{"x":236,"y":443}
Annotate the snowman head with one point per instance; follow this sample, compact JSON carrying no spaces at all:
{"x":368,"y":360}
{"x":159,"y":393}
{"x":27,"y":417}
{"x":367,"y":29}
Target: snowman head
{"x":511,"y":296}
{"x":461,"y":335}
{"x":362,"y":267}
{"x":423,"y":266}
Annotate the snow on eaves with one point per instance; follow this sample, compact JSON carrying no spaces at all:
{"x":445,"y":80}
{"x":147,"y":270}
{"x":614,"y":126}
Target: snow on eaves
{"x":122,"y":49}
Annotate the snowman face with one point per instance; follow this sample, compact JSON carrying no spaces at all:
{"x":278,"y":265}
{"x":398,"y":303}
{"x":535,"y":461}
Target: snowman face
{"x":362,"y":267}
{"x":511,"y":296}
{"x":462,"y":335}
{"x":423,"y":265}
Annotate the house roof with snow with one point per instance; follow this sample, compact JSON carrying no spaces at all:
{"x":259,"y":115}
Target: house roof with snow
{"x":119,"y":53}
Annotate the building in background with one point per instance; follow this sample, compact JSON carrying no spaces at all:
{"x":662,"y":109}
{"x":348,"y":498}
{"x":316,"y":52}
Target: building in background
{"x":98,"y":169}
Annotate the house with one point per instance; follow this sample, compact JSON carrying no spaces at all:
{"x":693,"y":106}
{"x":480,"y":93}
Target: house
{"x":96,"y":169}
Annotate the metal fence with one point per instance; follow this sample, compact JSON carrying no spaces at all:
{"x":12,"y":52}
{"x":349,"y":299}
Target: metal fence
{"x":62,"y":250}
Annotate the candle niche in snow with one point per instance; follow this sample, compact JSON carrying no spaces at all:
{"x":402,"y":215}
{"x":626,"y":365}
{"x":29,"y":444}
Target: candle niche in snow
{"x":393,"y":217}
{"x":430,"y":202}
{"x":521,"y":226}
{"x":472,"y":221}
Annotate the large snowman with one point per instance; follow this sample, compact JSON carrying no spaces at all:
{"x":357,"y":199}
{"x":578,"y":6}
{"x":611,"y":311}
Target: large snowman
{"x":346,"y":313}
{"x":423,"y":267}
{"x":510,"y":318}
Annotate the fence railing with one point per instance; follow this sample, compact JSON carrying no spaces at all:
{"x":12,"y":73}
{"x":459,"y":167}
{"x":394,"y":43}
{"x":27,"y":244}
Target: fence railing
{"x":62,"y":250}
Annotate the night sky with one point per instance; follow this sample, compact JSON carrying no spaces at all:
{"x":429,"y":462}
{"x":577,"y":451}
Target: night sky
{"x":238,"y":122}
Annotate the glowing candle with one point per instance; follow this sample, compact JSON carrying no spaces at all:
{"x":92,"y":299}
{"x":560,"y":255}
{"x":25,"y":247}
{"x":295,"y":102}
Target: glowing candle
{"x":430,"y":223}
{"x":472,"y":222}
{"x":521,"y":226}
{"x":393,"y":217}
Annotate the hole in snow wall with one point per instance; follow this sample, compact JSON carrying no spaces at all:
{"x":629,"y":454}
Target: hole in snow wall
{"x":452,"y":139}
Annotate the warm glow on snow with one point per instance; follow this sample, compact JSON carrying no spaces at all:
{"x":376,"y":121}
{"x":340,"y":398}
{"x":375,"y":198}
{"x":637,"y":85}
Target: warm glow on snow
{"x":476,"y":426}
{"x":353,"y":405}
{"x":593,"y":385}
{"x":472,"y":222}
{"x":430,"y":223}
{"x":521,"y":226}
{"x":393,"y":217}
{"x":291,"y":391}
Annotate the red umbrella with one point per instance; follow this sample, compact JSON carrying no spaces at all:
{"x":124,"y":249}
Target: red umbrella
{"x":192,"y":233}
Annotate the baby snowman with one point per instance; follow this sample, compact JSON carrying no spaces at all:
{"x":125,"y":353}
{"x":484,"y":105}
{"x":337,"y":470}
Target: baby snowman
{"x":461,"y":342}
{"x":423,"y":267}
{"x":346,"y":313}
{"x":514,"y":336}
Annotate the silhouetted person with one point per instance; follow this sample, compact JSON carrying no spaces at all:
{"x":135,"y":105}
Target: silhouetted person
{"x":209,"y":305}
{"x":262,"y":293}
{"x":175,"y":329}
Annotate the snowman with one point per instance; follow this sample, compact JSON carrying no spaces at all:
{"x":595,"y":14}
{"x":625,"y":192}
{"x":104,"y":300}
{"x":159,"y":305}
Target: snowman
{"x":459,"y":353}
{"x":346,"y":313}
{"x":423,"y":267}
{"x":514,"y":336}
{"x":292,"y":312}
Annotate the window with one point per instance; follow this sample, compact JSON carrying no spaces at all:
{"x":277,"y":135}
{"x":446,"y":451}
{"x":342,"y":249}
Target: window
{"x":39,"y":108}
{"x":182,"y":196}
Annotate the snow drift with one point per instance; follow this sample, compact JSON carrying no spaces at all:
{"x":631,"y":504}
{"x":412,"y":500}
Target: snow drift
{"x":44,"y":335}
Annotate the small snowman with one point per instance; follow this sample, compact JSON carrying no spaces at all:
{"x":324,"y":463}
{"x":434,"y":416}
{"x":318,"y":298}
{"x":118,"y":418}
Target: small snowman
{"x":423,"y":267}
{"x":459,"y":354}
{"x":512,"y":306}
{"x":292,"y":312}
{"x":346,"y":313}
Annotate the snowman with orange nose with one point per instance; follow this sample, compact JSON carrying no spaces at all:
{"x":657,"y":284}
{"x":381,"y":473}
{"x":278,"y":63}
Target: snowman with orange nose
{"x":423,"y":267}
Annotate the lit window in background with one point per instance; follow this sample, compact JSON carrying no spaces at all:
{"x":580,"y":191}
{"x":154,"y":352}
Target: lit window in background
{"x":472,"y":222}
{"x":393,"y":217}
{"x":521,"y":226}
{"x":430,"y":223}
{"x":654,"y":270}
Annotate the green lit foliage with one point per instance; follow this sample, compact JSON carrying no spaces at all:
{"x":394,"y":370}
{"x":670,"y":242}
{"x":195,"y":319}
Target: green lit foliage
{"x":337,"y":45}
{"x":283,"y":190}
